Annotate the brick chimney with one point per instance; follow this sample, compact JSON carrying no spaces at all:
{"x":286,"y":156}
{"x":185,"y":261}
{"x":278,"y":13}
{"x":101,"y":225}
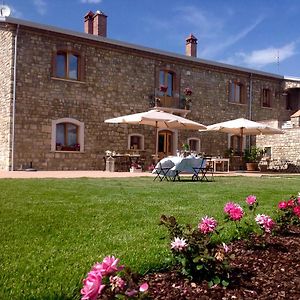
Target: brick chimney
{"x":88,"y":22}
{"x":100,"y":24}
{"x":191,"y":46}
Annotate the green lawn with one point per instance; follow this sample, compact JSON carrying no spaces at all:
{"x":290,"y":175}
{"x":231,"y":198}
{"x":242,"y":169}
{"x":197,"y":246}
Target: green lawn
{"x":53,"y":230}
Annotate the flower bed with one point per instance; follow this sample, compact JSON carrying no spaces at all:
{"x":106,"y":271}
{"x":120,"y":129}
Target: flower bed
{"x":211,"y":268}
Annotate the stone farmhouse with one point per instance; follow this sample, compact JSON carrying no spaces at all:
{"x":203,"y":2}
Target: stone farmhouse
{"x":58,"y":86}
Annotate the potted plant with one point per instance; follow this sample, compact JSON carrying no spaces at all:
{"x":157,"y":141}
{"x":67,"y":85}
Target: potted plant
{"x":252,"y":157}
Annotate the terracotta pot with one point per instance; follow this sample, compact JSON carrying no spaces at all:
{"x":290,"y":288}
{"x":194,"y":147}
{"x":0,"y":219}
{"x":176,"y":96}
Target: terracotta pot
{"x":252,"y":166}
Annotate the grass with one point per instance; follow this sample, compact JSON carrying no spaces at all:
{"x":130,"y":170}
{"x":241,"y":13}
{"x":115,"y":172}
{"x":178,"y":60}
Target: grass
{"x":53,"y":230}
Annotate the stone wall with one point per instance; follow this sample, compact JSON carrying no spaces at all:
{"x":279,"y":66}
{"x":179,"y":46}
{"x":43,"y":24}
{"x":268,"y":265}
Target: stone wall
{"x":116,"y":81}
{"x":283,"y":146}
{"x":6,"y":74}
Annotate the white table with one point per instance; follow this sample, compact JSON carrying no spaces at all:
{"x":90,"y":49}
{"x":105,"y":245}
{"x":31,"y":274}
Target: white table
{"x":224,"y":162}
{"x":177,"y":165}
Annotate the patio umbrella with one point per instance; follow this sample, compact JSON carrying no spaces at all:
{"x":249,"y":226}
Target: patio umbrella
{"x":158,"y":119}
{"x":243,"y":127}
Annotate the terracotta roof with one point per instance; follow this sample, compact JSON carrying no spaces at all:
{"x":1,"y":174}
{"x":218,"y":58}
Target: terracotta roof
{"x":296,"y":114}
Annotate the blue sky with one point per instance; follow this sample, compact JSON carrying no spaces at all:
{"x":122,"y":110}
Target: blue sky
{"x":248,"y":33}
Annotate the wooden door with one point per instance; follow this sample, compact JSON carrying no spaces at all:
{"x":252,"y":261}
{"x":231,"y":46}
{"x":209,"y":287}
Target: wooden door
{"x":165,"y":143}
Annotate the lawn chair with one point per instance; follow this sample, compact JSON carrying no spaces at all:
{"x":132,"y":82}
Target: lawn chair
{"x":205,"y":168}
{"x":161,"y":172}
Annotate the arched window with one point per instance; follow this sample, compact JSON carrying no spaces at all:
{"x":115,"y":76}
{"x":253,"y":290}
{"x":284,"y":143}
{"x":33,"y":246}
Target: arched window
{"x":194,"y":144}
{"x":136,"y":141}
{"x":67,"y":65}
{"x":67,"y":135}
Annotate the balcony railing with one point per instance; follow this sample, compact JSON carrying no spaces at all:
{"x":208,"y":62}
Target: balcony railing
{"x":169,"y":102}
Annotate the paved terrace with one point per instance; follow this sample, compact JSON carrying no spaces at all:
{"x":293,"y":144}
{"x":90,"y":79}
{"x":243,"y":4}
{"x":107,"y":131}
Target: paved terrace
{"x":104,"y":174}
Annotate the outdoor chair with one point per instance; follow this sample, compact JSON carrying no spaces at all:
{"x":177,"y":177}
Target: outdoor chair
{"x":161,"y":172}
{"x":205,"y":169}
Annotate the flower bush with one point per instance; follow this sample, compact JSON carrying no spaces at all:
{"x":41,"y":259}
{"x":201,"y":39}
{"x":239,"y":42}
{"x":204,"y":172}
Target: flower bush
{"x":105,"y":282}
{"x":163,"y":88}
{"x":288,"y":213}
{"x":265,"y":222}
{"x":201,"y":257}
{"x":188,"y":91}
{"x":195,"y":253}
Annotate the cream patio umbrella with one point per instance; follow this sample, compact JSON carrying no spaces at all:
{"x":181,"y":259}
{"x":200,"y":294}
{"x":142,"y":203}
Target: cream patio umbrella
{"x":243,"y":127}
{"x":158,"y":119}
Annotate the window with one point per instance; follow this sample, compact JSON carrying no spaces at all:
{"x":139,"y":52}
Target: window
{"x":136,"y":141}
{"x":266,"y":98}
{"x":268,"y":152}
{"x":237,"y":92}
{"x":67,"y":135}
{"x":67,"y":65}
{"x":166,"y":80}
{"x":194,"y":144}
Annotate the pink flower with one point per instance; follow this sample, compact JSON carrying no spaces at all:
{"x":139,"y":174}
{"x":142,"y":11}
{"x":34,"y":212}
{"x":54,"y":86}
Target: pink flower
{"x":228,"y":206}
{"x":163,"y":88}
{"x":282,"y":205}
{"x":188,"y":91}
{"x":236,"y":213}
{"x":108,"y":266}
{"x":92,"y":286}
{"x":298,"y":200}
{"x":179,"y":244}
{"x":265,"y":222}
{"x":144,"y":287}
{"x":290,"y":203}
{"x":251,"y":199}
{"x":296,"y":211}
{"x":116,"y":282}
{"x":207,"y":225}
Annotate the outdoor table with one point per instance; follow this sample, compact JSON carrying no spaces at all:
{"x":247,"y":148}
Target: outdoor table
{"x":224,"y":162}
{"x":172,"y":166}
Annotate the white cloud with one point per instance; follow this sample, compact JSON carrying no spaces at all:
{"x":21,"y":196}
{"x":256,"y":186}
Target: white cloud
{"x":40,"y":6}
{"x":91,"y":1}
{"x":218,"y":46}
{"x":262,"y":57}
{"x":203,"y":22}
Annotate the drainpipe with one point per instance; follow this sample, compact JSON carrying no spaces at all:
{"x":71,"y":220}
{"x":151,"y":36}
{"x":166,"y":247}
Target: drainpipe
{"x":14,"y":100}
{"x":250,"y":96}
{"x":250,"y":105}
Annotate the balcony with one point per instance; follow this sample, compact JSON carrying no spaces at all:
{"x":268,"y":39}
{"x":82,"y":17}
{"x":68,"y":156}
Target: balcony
{"x":170,"y":104}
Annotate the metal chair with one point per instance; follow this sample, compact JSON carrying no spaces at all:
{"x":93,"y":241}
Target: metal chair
{"x":162,"y":172}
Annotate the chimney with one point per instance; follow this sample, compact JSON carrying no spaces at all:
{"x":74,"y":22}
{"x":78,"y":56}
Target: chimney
{"x":191,"y":46}
{"x":100,"y":24}
{"x":88,"y":22}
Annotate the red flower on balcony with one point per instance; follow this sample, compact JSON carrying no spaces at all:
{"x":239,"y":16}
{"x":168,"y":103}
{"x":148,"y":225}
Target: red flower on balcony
{"x":163,"y":88}
{"x":188,"y":91}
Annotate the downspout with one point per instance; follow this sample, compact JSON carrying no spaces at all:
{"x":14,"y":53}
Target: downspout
{"x":250,"y":97}
{"x":250,"y":106}
{"x":14,"y":100}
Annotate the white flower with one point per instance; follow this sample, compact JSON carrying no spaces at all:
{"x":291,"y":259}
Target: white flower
{"x":179,"y":244}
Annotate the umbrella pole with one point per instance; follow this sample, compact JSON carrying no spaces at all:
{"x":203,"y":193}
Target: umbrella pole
{"x":155,"y":144}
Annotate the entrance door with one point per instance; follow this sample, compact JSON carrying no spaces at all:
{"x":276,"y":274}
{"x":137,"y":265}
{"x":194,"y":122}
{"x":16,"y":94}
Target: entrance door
{"x":165,"y":143}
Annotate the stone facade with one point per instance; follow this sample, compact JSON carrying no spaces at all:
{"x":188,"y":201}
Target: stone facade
{"x":116,"y":80}
{"x":6,"y":75}
{"x":283,"y":146}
